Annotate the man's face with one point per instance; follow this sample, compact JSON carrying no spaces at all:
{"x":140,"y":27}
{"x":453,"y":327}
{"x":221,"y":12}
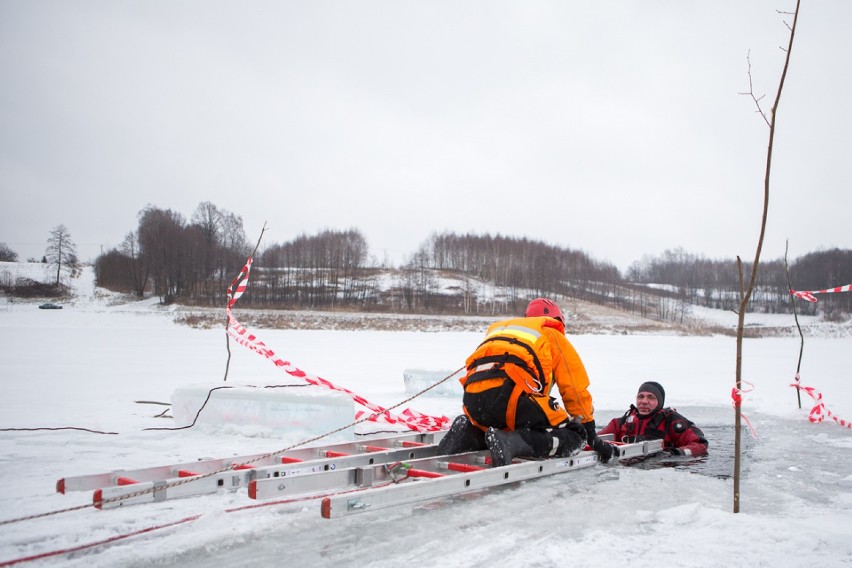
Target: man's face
{"x":646,"y":402}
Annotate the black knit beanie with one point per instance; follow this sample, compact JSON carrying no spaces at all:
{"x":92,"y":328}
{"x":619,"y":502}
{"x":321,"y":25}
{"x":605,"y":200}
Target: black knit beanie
{"x":657,"y":390}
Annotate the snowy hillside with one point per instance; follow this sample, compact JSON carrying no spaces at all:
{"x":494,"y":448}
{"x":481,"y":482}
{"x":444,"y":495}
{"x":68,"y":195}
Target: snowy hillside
{"x":583,"y":317}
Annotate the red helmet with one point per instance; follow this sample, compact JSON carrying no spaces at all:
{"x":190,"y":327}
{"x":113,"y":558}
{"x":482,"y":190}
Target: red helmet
{"x":544,"y":307}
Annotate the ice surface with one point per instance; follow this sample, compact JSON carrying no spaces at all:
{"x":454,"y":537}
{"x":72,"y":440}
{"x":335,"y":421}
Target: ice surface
{"x":287,"y":407}
{"x":89,"y":364}
{"x":417,"y":380}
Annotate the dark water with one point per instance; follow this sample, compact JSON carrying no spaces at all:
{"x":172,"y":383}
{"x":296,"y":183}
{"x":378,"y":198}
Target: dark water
{"x":719,"y":462}
{"x":717,"y":423}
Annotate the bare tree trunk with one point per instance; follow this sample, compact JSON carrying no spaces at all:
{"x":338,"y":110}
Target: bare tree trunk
{"x":745,"y":293}
{"x":799,"y":327}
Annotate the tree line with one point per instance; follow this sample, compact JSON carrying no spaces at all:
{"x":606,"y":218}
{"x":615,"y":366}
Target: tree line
{"x":177,"y":260}
{"x":193,"y":261}
{"x":518,"y":267}
{"x":698,"y":280}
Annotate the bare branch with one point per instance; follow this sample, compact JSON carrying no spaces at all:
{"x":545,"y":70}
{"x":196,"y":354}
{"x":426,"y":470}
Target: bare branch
{"x":799,"y":327}
{"x":751,"y":94}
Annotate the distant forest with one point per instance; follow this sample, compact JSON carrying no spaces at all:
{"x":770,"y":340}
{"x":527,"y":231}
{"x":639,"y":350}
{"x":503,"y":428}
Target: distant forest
{"x":194,"y":261}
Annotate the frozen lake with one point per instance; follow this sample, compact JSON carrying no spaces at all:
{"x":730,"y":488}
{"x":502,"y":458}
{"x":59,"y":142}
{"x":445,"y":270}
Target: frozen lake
{"x":86,"y":366}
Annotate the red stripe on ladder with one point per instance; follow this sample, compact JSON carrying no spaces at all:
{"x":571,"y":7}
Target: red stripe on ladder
{"x":423,"y":473}
{"x":464,"y":467}
{"x":97,"y":498}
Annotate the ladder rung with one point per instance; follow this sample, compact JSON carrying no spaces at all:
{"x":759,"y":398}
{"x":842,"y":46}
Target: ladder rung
{"x":423,"y":473}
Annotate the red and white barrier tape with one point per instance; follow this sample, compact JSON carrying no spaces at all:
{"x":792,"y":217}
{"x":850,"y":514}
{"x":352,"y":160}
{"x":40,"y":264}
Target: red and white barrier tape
{"x":819,"y":412}
{"x":239,"y":284}
{"x":737,"y":397}
{"x":809,"y":295}
{"x":414,"y":420}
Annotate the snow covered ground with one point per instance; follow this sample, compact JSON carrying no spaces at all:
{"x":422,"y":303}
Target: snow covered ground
{"x":86,"y":365}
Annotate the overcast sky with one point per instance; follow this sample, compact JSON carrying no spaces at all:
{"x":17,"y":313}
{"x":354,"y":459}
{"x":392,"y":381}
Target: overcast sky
{"x":611,"y":127}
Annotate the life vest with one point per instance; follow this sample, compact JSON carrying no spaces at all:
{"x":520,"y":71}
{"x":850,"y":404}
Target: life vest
{"x":517,"y":350}
{"x":638,"y":429}
{"x":666,"y":424}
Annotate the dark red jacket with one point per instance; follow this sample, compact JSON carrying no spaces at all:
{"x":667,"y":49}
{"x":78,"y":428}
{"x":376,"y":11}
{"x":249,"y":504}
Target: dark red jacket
{"x":678,"y":434}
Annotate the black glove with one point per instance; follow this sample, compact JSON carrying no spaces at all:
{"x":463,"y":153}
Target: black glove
{"x":604,"y":449}
{"x":677,"y":452}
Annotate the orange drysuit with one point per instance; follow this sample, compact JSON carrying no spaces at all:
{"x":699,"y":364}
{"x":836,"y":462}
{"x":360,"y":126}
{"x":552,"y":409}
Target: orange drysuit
{"x":510,"y":376}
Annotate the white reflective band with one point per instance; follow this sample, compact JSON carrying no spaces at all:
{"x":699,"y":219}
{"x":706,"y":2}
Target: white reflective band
{"x":518,"y":331}
{"x":555,"y":446}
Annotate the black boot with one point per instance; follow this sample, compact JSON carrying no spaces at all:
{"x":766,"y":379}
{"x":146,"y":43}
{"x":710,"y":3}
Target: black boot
{"x":461,"y":437}
{"x":506,"y":446}
{"x":567,"y":442}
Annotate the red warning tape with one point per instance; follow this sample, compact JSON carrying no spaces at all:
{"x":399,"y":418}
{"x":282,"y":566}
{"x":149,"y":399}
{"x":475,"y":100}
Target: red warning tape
{"x":737,"y":396}
{"x":819,"y":412}
{"x":809,"y":294}
{"x":414,"y":420}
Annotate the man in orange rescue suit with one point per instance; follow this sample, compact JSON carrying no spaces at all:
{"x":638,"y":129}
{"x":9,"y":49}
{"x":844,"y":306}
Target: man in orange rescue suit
{"x":507,"y":404}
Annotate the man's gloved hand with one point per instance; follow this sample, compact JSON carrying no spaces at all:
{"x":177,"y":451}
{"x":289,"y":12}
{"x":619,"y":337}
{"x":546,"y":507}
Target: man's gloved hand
{"x":604,"y":449}
{"x":671,"y":452}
